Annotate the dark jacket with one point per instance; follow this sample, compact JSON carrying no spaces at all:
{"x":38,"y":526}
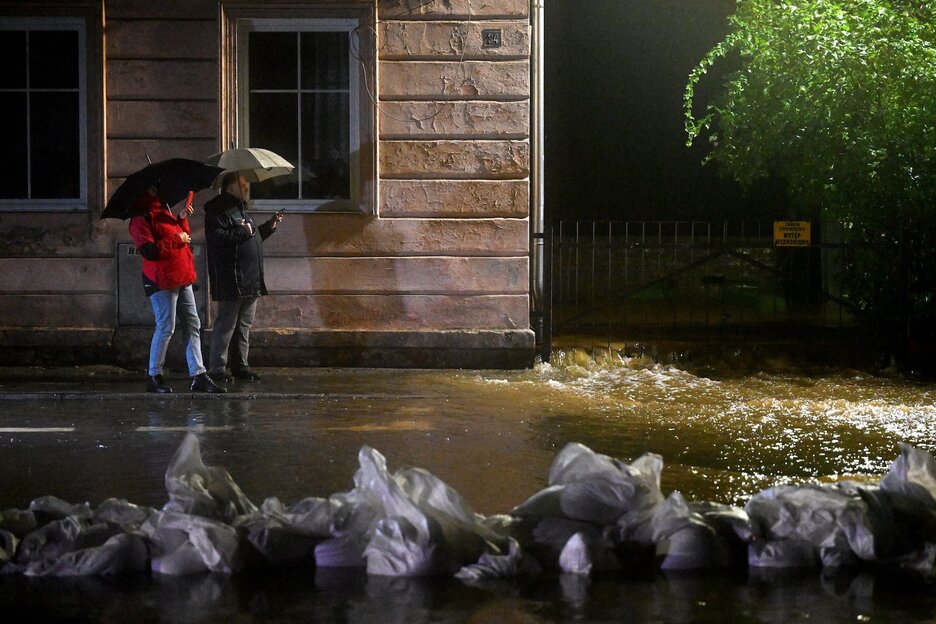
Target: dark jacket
{"x":235,"y":258}
{"x":167,"y":261}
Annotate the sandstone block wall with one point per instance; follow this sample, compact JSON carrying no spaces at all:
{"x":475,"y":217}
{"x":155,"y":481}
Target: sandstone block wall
{"x":442,"y":259}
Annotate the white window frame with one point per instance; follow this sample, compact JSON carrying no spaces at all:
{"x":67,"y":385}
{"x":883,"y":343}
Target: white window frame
{"x":300,"y":25}
{"x":76,"y":204}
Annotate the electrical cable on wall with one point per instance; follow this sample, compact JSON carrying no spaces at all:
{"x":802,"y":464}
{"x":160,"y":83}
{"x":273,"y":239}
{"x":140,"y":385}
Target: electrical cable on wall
{"x":356,"y":53}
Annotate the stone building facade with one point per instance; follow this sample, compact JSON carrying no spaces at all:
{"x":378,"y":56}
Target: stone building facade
{"x":422,"y":260}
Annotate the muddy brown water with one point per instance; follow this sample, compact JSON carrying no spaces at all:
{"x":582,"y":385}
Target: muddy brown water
{"x":492,"y":436}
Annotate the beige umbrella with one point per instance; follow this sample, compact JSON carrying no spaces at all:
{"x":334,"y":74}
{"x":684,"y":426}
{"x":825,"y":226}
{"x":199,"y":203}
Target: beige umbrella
{"x":254,"y":163}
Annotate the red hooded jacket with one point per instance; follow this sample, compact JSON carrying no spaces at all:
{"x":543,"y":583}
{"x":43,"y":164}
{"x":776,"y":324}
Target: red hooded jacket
{"x":167,"y":261}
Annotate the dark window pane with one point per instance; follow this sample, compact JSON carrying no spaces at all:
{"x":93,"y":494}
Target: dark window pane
{"x":325,"y":145}
{"x":53,"y":59}
{"x":13,"y":53}
{"x":272,"y":60}
{"x":55,"y":152}
{"x":273,"y":118}
{"x":13,"y":155}
{"x":324,"y":60}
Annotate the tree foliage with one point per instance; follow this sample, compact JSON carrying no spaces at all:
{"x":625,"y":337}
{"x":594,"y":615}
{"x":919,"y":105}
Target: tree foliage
{"x":836,"y":98}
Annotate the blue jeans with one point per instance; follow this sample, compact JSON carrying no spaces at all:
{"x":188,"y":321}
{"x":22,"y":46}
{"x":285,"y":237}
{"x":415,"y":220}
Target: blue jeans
{"x":165,"y":304}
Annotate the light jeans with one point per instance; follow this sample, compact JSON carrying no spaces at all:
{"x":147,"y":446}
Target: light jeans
{"x":166,"y":304}
{"x":233,"y":321}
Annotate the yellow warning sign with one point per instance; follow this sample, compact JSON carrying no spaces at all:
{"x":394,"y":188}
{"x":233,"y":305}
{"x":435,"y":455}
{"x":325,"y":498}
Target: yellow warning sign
{"x":792,"y":233}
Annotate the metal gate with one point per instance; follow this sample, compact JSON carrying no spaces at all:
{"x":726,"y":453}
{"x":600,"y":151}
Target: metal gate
{"x":624,"y":278}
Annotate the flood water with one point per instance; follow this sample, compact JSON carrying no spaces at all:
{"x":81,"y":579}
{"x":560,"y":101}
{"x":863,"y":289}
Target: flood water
{"x":492,"y":436}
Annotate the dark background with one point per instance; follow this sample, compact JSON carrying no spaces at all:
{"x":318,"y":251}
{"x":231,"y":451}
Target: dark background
{"x":615,"y":146}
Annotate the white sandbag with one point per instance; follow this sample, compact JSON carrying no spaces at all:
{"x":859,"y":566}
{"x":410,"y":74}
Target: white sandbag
{"x":922,"y":561}
{"x":187,"y":543}
{"x":404,"y":540}
{"x":464,"y":534}
{"x":910,"y":485}
{"x":575,"y":557}
{"x":18,"y":522}
{"x":351,"y":529}
{"x":311,"y":516}
{"x":543,"y":504}
{"x":913,"y":473}
{"x":277,"y":542}
{"x":55,"y":508}
{"x":551,"y":537}
{"x":121,"y":554}
{"x":122,"y":513}
{"x":833,"y":519}
{"x":51,"y":541}
{"x":634,"y":528}
{"x":8,"y":545}
{"x":491,"y":567}
{"x":423,"y":528}
{"x":783,"y":553}
{"x":588,"y":486}
{"x":201,"y":490}
{"x":694,"y":538}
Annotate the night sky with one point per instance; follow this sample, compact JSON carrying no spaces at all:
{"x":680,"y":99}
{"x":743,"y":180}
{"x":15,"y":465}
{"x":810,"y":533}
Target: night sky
{"x":615,"y":144}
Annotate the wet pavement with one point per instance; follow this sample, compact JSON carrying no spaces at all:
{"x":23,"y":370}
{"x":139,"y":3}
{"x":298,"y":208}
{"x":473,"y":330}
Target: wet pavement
{"x":86,"y":434}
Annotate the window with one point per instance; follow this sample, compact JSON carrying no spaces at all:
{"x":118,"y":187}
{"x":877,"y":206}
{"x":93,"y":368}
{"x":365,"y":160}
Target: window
{"x":43,"y":164}
{"x":299,"y":95}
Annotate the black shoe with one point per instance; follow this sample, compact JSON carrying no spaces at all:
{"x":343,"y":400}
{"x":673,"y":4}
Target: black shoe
{"x":203,"y":383}
{"x":155,"y":383}
{"x":245,"y":374}
{"x":221,"y":377}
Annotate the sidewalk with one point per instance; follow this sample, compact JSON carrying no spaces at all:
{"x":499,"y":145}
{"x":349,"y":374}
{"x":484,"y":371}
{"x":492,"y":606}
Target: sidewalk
{"x":107,"y":383}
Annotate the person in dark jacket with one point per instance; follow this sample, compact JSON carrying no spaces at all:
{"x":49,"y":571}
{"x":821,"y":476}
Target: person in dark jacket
{"x":163,"y":240}
{"x":235,"y":270}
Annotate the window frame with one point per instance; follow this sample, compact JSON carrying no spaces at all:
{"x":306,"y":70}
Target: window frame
{"x":359,"y":19}
{"x":72,"y":204}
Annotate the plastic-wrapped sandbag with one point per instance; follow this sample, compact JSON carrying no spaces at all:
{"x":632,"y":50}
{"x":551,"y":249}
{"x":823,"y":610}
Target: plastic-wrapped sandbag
{"x":589,"y":486}
{"x":491,"y":566}
{"x":8,"y":544}
{"x":186,"y":544}
{"x":911,"y":487}
{"x":311,"y":516}
{"x":923,"y":561}
{"x":18,"y":522}
{"x":277,"y":542}
{"x":72,"y":547}
{"x":698,"y":536}
{"x":201,"y":490}
{"x":551,"y":540}
{"x":424,"y":527}
{"x":833,"y":519}
{"x":122,"y":513}
{"x":51,"y":540}
{"x":54,"y":508}
{"x":289,"y":536}
{"x":784,"y":553}
{"x":634,"y":528}
{"x":351,"y":529}
{"x":121,"y":554}
{"x":576,"y":557}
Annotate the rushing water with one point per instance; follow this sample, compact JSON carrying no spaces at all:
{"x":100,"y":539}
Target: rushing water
{"x":492,"y":436}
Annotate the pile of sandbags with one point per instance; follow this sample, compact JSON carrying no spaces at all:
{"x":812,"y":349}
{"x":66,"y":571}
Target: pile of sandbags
{"x":596,"y":514}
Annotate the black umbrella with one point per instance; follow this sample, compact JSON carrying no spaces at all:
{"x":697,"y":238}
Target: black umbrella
{"x":172,"y":179}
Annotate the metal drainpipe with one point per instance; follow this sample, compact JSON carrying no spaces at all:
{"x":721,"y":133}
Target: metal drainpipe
{"x":541,"y":311}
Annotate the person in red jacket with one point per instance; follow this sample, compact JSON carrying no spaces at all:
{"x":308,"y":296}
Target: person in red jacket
{"x":168,"y":274}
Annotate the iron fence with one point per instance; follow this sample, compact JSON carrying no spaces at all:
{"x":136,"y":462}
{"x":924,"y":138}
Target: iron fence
{"x":616,"y":277}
